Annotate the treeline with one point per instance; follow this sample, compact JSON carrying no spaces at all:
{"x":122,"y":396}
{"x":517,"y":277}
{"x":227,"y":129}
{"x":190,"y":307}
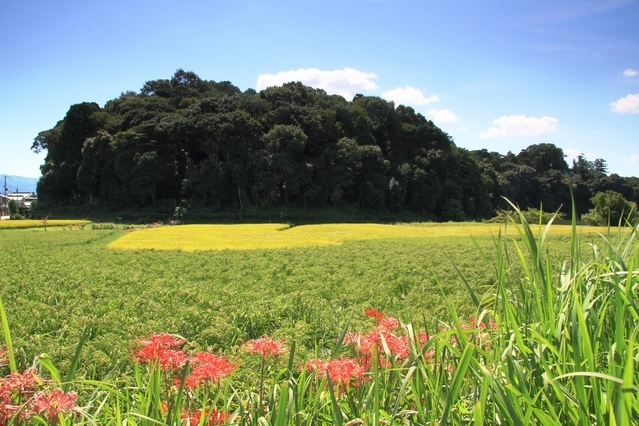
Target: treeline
{"x":188,"y":141}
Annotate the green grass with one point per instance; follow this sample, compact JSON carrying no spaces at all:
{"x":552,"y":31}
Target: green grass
{"x":564,"y":351}
{"x":56,"y":282}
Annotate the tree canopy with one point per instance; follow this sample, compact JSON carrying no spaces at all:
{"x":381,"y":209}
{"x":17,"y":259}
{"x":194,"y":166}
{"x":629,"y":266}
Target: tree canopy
{"x":207,"y":143}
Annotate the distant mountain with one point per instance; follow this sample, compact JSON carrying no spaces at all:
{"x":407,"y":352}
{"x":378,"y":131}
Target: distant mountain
{"x":18,"y":183}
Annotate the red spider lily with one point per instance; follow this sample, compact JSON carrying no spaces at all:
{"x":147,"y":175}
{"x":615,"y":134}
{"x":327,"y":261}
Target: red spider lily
{"x":340,"y":371}
{"x":364,"y":343}
{"x":208,"y":367}
{"x":377,"y":315}
{"x":55,"y":402}
{"x":388,"y":324}
{"x":15,"y":389}
{"x":317,"y":365}
{"x":343,"y":371}
{"x":161,"y":349}
{"x":265,"y":346}
{"x":10,"y":411}
{"x":492,"y":323}
{"x":24,"y":383}
{"x":396,"y":345}
{"x":214,"y":418}
{"x":167,"y":359}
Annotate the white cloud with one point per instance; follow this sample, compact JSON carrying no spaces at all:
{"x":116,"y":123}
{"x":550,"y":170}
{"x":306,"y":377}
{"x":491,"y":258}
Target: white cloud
{"x":572,"y":152}
{"x":344,"y":82}
{"x":631,"y":159}
{"x":630,"y":72}
{"x":408,"y":96}
{"x":520,"y":125}
{"x":625,"y":105}
{"x":442,"y":116}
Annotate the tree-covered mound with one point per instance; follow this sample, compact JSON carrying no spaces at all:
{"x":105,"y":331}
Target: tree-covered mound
{"x":198,"y":143}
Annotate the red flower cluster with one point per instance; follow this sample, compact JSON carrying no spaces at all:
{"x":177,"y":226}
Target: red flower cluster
{"x":55,"y":402}
{"x":265,"y":346}
{"x":162,"y":349}
{"x":381,"y":337}
{"x":25,"y":383}
{"x":15,"y":390}
{"x":374,"y":314}
{"x":214,"y":418}
{"x":208,"y":367}
{"x":19,"y":396}
{"x":341,"y":371}
{"x":364,"y":343}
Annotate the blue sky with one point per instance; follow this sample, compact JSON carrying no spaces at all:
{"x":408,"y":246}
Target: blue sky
{"x":499,"y":75}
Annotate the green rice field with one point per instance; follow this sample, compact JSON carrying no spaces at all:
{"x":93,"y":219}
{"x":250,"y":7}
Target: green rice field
{"x":412,"y":324}
{"x":55,"y":283}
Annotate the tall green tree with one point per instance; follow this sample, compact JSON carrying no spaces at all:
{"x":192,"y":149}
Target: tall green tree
{"x":611,"y":208}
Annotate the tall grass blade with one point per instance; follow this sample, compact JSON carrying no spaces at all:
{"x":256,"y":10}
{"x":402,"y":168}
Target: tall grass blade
{"x":86,"y":332}
{"x":338,"y":419}
{"x":46,"y":361}
{"x":291,"y":359}
{"x":7,"y":339}
{"x":175,"y":409}
{"x":283,"y":403}
{"x":627,"y":402}
{"x":458,"y":379}
{"x":340,"y":341}
{"x":468,"y":288}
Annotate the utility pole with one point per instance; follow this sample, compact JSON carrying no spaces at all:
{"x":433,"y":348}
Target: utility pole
{"x":4,"y":200}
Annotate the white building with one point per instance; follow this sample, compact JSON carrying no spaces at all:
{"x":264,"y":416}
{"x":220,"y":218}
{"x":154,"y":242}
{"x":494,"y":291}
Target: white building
{"x":22,"y":199}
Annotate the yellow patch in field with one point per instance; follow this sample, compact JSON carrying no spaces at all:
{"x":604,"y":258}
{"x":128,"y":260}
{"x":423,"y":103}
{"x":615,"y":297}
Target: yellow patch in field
{"x":273,"y":236}
{"x":208,"y":237}
{"x":32,"y":223}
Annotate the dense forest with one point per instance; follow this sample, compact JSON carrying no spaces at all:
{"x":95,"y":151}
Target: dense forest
{"x":207,"y":144}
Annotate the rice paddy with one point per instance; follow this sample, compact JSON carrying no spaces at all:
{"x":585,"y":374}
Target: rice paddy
{"x":282,"y":236}
{"x":29,"y":223}
{"x":493,"y":329}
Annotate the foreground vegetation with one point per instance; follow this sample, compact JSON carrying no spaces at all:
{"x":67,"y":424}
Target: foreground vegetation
{"x":524,"y":338}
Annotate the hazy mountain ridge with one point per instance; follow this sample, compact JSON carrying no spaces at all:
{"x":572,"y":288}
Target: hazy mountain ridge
{"x":18,"y":183}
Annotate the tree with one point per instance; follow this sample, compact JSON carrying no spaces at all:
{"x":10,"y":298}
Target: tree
{"x":543,"y":157}
{"x":13,"y":207}
{"x":95,"y":155}
{"x":284,"y":153}
{"x":64,"y":145}
{"x":611,"y":208}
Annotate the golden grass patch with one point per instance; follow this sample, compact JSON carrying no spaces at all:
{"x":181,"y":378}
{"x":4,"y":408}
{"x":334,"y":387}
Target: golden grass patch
{"x":29,"y":223}
{"x":274,"y":236}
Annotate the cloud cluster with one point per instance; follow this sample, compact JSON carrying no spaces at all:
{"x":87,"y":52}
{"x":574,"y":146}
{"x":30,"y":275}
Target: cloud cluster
{"x":349,"y":81}
{"x":629,"y":104}
{"x":442,"y":116}
{"x":520,"y":125}
{"x":344,"y":82}
{"x":408,"y":96}
{"x":630,"y":72}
